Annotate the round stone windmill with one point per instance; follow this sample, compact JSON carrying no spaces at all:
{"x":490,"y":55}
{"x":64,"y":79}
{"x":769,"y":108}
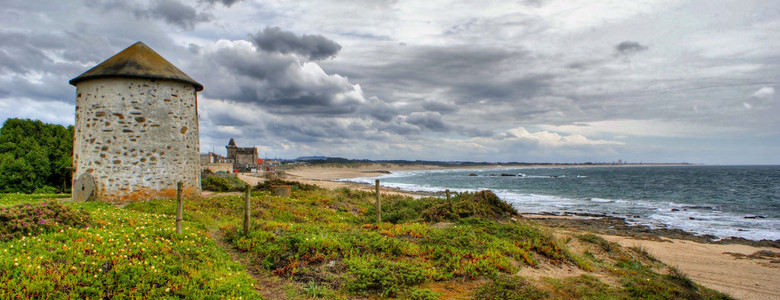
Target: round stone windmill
{"x":136,"y":132}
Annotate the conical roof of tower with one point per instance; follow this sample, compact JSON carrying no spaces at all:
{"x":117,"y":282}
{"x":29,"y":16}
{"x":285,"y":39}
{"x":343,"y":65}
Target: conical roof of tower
{"x":138,"y":61}
{"x":232,"y":142}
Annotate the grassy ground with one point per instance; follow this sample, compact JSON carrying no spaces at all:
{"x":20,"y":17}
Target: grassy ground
{"x":324,"y":243}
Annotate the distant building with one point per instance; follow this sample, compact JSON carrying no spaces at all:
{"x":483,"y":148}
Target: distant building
{"x":212,"y":158}
{"x":215,"y":163}
{"x":242,"y":157}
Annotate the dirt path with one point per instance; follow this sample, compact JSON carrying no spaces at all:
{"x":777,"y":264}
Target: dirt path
{"x":268,"y":286}
{"x":251,"y":180}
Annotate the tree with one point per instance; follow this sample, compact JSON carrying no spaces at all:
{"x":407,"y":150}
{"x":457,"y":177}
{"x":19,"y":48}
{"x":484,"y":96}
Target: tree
{"x":34,"y":155}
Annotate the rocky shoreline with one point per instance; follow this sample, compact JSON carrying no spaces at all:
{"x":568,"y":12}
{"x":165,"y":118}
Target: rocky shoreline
{"x":603,"y":224}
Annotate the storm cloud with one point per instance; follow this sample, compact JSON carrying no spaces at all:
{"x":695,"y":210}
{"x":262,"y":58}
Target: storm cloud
{"x":629,"y":47}
{"x":227,"y":3}
{"x":280,"y":83}
{"x":313,"y":47}
{"x":174,"y":12}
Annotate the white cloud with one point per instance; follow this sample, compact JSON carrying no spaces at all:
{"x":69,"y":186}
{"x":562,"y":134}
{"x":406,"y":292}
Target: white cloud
{"x":552,"y":139}
{"x":645,"y":128}
{"x":56,"y":112}
{"x":764,"y":93}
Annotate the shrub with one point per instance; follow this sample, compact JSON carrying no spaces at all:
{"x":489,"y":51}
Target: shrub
{"x":236,"y":184}
{"x":294,"y":185}
{"x":23,"y":219}
{"x":438,"y":213}
{"x":399,"y":209}
{"x":223,"y":184}
{"x":217,"y":184}
{"x":483,"y":204}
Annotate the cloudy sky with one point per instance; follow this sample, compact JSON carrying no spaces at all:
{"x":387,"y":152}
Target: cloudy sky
{"x":529,"y":81}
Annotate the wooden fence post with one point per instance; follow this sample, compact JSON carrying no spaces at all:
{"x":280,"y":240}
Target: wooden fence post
{"x":179,"y":217}
{"x":248,"y":210}
{"x":378,"y":204}
{"x":447,"y":192}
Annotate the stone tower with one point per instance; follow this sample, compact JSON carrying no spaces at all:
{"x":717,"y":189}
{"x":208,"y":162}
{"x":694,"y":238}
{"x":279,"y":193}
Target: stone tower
{"x":231,"y":149}
{"x":136,"y":132}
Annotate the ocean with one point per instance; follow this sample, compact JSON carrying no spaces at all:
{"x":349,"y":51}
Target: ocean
{"x":724,"y":201}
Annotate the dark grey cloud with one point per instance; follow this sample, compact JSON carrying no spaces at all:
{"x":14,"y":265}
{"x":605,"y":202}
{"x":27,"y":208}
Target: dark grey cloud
{"x":313,"y":47}
{"x":33,"y":72}
{"x":19,"y":55}
{"x":174,"y":12}
{"x":316,"y":129}
{"x":427,"y":120}
{"x":474,"y":86}
{"x":194,"y":49}
{"x":629,"y":47}
{"x":398,"y":127}
{"x":379,"y":109}
{"x":279,"y":83}
{"x":440,"y":106}
{"x":464,"y":74}
{"x":227,"y":3}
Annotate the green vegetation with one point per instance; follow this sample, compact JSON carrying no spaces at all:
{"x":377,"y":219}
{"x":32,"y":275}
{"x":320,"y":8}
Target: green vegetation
{"x":35,"y":157}
{"x":324,"y":243}
{"x":222,"y":184}
{"x":105,"y":252}
{"x":510,"y":288}
{"x":294,"y":185}
{"x":33,"y":219}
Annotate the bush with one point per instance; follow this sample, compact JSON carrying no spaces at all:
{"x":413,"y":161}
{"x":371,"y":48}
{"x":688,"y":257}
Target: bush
{"x":223,"y":184}
{"x":23,"y":219}
{"x":400,"y":209}
{"x":438,"y":213}
{"x":217,"y":184}
{"x":294,"y":185}
{"x":483,"y":204}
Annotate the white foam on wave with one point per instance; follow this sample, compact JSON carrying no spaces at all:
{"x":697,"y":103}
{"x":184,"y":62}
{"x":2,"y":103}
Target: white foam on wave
{"x":599,"y":200}
{"x":719,"y":224}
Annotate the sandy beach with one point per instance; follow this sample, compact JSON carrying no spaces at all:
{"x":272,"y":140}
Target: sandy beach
{"x":326,"y":176}
{"x":742,"y":271}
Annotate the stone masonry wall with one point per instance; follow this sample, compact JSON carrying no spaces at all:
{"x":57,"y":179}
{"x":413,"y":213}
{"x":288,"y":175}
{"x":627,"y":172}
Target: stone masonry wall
{"x":137,"y":137}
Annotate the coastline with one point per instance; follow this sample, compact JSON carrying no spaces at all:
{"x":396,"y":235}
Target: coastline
{"x":741,"y":268}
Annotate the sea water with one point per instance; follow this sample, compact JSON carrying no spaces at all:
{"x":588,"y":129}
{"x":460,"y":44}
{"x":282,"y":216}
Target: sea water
{"x":724,"y":201}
